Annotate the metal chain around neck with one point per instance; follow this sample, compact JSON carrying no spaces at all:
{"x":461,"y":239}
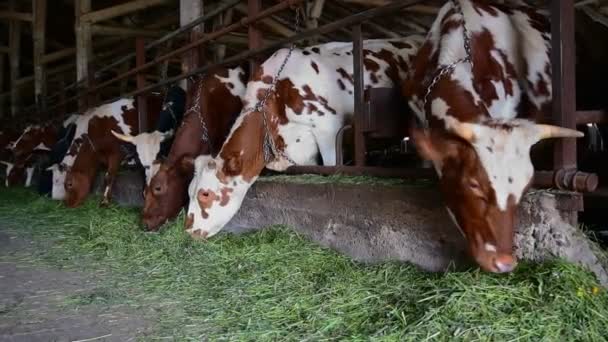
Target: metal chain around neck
{"x":196,"y":108}
{"x":450,"y":67}
{"x":269,"y":146}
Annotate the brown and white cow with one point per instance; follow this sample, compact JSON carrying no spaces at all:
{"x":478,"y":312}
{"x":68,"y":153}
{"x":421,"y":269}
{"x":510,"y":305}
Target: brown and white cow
{"x":482,"y":116}
{"x":34,"y":138}
{"x":98,"y":146}
{"x":220,"y":103}
{"x":313,"y":100}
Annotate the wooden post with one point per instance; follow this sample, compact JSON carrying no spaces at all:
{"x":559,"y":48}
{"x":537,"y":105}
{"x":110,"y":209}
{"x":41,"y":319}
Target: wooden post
{"x":255,"y":35}
{"x":359,"y":93}
{"x":140,"y":59}
{"x":38,"y":29}
{"x":124,"y":83}
{"x":84,"y":51}
{"x":564,"y":86}
{"x":15,"y":49}
{"x":188,"y":11}
{"x":3,"y":111}
{"x":220,"y":21}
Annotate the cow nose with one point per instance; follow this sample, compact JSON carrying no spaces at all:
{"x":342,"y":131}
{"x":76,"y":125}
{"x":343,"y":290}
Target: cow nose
{"x":504,"y":263}
{"x":204,"y":198}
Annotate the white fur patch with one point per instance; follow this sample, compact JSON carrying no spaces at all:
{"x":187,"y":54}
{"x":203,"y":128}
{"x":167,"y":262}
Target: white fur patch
{"x":489,"y":247}
{"x":9,"y":167}
{"x":42,"y":147}
{"x":29,"y":174}
{"x":148,"y":146}
{"x":238,"y":87}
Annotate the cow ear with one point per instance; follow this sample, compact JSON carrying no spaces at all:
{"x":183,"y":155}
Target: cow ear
{"x":186,"y":165}
{"x":232,"y":166}
{"x":424,"y":145}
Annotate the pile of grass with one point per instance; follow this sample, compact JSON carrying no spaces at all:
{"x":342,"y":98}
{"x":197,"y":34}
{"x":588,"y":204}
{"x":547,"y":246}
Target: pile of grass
{"x":276,"y":285}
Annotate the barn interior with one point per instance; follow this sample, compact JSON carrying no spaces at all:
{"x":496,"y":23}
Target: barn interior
{"x":62,"y":57}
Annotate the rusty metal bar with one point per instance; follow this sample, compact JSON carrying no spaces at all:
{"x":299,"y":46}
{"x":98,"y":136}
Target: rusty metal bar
{"x":359,"y":84}
{"x":142,"y":109}
{"x":591,"y":116}
{"x":566,"y":179}
{"x":563,"y":80}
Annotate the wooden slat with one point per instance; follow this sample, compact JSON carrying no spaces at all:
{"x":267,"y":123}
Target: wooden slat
{"x":11,"y":15}
{"x":84,"y":50}
{"x":254,"y":34}
{"x":120,"y":10}
{"x":15,"y":58}
{"x":189,"y":10}
{"x":39,"y":37}
{"x":125,"y":31}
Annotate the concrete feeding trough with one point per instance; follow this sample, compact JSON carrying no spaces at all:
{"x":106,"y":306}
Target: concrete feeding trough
{"x":405,"y":222}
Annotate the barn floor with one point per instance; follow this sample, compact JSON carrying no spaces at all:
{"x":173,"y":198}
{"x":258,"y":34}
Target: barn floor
{"x":87,"y":273}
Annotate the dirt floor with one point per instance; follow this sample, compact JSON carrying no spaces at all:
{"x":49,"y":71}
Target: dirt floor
{"x":33,"y":301}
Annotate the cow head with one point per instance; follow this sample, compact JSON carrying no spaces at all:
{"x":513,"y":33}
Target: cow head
{"x":216,"y":193}
{"x":148,"y":147}
{"x":166,"y":193}
{"x":484,"y":170}
{"x":77,"y":187}
{"x":58,"y":188}
{"x":34,"y":138}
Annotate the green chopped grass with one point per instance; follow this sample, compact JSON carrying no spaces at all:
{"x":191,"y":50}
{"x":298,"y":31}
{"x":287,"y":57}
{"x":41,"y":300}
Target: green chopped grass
{"x":276,"y":285}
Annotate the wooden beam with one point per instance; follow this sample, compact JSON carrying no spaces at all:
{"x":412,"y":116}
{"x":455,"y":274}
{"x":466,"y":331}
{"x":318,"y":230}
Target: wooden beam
{"x":125,"y":31}
{"x":120,"y":10}
{"x":269,"y":22}
{"x":15,"y":58}
{"x":38,"y":33}
{"x":189,"y":10}
{"x":3,"y":111}
{"x":255,"y":35}
{"x":5,"y":49}
{"x":563,"y":80}
{"x":84,"y":50}
{"x":12,"y":15}
{"x":57,"y":55}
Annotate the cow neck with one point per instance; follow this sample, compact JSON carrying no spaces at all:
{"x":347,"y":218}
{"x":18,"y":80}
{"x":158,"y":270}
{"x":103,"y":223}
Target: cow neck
{"x":86,"y":160}
{"x":243,"y":152}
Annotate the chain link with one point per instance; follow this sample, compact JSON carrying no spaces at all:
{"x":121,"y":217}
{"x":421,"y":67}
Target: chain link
{"x":450,"y":67}
{"x":269,"y":147}
{"x":196,"y":108}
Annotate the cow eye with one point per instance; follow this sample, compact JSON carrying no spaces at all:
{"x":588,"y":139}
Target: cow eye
{"x":157,"y":188}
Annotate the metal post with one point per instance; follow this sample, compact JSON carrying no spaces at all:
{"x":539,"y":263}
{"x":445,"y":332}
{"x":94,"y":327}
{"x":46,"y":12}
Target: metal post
{"x":359,"y":89}
{"x":142,"y":109}
{"x":564,"y":86}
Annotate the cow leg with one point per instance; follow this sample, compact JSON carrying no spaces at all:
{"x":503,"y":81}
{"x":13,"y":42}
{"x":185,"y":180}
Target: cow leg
{"x":326,"y":140}
{"x":113,"y":165}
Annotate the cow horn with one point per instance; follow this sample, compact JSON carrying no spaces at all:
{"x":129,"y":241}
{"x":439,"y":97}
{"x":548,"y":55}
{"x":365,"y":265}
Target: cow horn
{"x":464,"y":130}
{"x":124,"y":137}
{"x":550,"y":131}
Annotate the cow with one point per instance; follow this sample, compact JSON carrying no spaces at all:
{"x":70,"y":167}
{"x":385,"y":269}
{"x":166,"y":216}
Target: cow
{"x":98,"y":146}
{"x":312,"y":100}
{"x":220,"y":93}
{"x":479,"y":94}
{"x":51,"y":177}
{"x":34,"y":138}
{"x":18,"y":173}
{"x":152,"y":147}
